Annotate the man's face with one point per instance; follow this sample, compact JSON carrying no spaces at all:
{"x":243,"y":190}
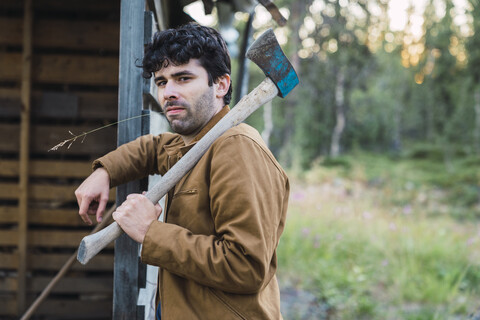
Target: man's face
{"x":186,"y":99}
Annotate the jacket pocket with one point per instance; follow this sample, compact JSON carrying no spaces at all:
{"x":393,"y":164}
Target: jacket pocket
{"x":224,"y":302}
{"x":185,"y":192}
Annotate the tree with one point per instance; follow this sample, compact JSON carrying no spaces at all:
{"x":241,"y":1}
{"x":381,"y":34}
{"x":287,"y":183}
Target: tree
{"x":473,"y":48}
{"x":439,"y":67}
{"x":346,"y":56}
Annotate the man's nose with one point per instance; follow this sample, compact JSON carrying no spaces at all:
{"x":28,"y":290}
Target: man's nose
{"x":170,"y":91}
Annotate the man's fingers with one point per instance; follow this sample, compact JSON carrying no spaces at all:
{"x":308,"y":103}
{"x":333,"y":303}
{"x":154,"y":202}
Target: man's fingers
{"x":83,"y":211}
{"x":115,"y":214}
{"x":158,"y":210}
{"x":101,"y":208}
{"x":133,"y":195}
{"x":92,"y":195}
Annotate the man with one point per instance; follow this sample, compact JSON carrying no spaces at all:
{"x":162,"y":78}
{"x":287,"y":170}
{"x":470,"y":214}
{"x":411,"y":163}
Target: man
{"x":216,"y":248}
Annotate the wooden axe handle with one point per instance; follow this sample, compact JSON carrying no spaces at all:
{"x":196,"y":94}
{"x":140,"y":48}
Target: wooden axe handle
{"x":263,"y":93}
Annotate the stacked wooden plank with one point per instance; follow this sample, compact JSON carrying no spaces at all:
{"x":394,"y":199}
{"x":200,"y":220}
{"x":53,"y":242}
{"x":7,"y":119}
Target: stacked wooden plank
{"x":73,"y":89}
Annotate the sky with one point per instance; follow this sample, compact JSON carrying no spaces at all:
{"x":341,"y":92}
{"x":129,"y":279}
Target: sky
{"x":397,"y":13}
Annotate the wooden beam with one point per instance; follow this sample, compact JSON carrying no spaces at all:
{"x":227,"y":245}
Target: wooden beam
{"x":63,"y":69}
{"x":57,"y":194}
{"x":53,"y":262}
{"x":91,"y":105}
{"x":65,"y":308}
{"x":44,"y":217}
{"x":98,"y":105}
{"x":10,"y":102}
{"x":126,"y":267}
{"x":101,"y":262}
{"x":98,"y":284}
{"x":63,"y":34}
{"x":101,"y":307}
{"x":106,"y":7}
{"x":241,"y":88}
{"x":77,"y":70}
{"x":8,"y":261}
{"x":62,"y":194}
{"x":15,"y":30}
{"x":157,"y":7}
{"x":45,"y":238}
{"x":48,"y":168}
{"x":11,"y":66}
{"x":24,"y":155}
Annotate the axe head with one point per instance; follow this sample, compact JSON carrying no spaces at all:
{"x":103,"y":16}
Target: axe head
{"x":268,"y":55}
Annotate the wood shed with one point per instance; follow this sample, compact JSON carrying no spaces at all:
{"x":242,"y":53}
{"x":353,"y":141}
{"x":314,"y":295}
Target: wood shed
{"x":68,"y":68}
{"x":59,"y":63}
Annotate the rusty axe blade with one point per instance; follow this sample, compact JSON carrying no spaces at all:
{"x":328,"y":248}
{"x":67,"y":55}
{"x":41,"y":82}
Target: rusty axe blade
{"x":268,"y":55}
{"x":281,"y":80}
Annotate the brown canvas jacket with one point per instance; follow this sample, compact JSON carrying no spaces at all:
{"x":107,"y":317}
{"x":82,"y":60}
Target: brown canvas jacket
{"x":217,"y":248}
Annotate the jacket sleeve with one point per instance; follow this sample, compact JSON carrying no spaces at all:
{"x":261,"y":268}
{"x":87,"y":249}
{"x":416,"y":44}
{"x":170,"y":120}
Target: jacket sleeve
{"x":248,"y":200}
{"x":134,"y":160}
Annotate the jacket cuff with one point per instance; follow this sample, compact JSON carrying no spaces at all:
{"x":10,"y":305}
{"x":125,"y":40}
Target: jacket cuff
{"x":149,"y":244}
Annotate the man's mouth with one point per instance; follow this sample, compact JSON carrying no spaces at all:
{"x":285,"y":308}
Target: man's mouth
{"x":174,"y":110}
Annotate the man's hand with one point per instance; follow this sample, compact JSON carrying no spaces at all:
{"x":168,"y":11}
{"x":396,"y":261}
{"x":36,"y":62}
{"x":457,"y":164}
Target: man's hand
{"x":135,"y":215}
{"x":92,"y":195}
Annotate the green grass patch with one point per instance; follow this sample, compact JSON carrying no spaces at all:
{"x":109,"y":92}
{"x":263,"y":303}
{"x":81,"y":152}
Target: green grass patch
{"x":377,"y":239}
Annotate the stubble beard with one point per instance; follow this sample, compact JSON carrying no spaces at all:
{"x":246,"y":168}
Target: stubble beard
{"x":196,"y":117}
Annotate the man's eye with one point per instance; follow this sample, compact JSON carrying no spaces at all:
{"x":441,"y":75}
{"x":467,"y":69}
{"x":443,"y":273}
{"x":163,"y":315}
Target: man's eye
{"x":182,"y":79}
{"x":161,"y":83}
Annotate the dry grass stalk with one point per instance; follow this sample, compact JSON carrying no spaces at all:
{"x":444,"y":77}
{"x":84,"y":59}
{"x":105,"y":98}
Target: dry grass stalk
{"x":84,"y":134}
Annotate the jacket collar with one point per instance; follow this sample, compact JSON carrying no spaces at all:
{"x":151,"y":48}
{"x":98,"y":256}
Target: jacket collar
{"x":179,"y":148}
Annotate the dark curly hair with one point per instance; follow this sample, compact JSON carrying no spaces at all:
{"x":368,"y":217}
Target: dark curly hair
{"x":190,"y":41}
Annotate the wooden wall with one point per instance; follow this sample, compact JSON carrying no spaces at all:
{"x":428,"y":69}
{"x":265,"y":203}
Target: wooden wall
{"x":73,"y":88}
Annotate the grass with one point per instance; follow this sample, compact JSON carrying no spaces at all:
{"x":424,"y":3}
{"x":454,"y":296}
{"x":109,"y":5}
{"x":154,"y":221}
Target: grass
{"x":384,"y":239}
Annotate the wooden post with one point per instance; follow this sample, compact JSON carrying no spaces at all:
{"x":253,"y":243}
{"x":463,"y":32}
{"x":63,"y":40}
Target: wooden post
{"x":126,"y":265}
{"x":243,"y":62}
{"x":158,"y":7}
{"x":24,"y":156}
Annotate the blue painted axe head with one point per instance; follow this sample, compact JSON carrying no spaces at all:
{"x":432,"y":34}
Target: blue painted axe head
{"x":267,"y":54}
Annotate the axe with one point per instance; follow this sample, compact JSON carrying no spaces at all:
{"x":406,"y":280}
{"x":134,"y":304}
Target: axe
{"x":281,"y":79}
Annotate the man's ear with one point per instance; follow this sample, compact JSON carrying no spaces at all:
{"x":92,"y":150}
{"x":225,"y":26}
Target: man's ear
{"x":222,"y":85}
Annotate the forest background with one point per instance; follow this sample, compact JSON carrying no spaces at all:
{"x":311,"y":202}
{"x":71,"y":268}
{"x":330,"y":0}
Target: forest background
{"x":382,"y":141}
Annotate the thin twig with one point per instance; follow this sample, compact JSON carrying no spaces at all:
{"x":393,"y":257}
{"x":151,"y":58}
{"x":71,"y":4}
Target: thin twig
{"x":84,"y":134}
